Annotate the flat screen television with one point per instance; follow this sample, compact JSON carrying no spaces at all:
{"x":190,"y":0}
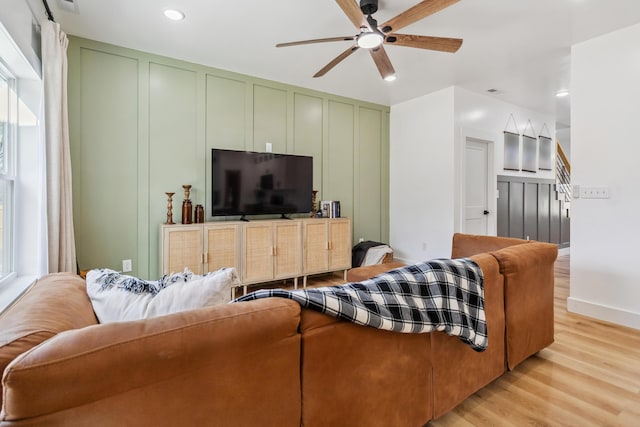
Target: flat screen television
{"x":251,"y":183}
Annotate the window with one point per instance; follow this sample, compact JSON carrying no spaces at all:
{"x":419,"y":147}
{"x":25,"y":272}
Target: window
{"x":8,"y":120}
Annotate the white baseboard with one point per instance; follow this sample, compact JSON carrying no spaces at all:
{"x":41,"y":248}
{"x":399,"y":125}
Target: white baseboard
{"x":564,"y":251}
{"x":604,"y":312}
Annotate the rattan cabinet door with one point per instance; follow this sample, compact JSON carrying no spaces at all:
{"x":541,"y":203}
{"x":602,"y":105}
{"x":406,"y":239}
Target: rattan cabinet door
{"x":258,"y":252}
{"x":288,"y":249}
{"x":339,"y":244}
{"x":315,"y":246}
{"x":222,"y":244}
{"x":182,"y":248}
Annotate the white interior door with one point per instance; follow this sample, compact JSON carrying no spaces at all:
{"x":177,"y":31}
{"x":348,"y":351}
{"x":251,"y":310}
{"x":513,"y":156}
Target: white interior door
{"x":476,"y":203}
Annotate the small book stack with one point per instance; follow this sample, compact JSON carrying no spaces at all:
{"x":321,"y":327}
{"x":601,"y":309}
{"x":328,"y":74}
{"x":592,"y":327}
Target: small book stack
{"x":330,"y":208}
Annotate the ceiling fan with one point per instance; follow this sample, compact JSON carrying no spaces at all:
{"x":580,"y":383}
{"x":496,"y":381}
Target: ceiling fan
{"x":373,"y":37}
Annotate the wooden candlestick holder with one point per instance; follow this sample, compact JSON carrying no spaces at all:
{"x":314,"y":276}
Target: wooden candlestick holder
{"x":187,"y":210}
{"x":314,"y":205}
{"x":169,"y":208}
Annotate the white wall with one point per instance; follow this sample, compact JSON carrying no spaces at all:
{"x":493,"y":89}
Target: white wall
{"x":426,"y":164}
{"x":485,"y":117}
{"x":605,"y":104}
{"x":422,"y":177}
{"x":18,"y":20}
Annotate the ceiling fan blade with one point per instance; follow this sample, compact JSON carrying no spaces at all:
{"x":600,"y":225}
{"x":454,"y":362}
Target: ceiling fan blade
{"x":329,"y":39}
{"x":442,"y":44}
{"x":382,"y":61}
{"x":416,"y":13}
{"x":353,"y":12}
{"x":336,"y":61}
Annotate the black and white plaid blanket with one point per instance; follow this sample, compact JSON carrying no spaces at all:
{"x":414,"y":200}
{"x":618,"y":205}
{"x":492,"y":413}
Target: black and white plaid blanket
{"x":439,"y":295}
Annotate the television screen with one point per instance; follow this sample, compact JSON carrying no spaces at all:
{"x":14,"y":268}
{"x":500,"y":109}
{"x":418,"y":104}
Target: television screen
{"x":250,"y":183}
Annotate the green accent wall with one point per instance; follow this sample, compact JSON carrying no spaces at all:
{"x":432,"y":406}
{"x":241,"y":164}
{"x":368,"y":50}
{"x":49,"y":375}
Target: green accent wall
{"x":142,"y":125}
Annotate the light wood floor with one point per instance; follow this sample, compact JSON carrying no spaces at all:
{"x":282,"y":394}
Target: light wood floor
{"x":590,"y":376}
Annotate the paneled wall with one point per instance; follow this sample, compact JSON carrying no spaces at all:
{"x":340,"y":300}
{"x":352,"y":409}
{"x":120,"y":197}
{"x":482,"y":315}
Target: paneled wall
{"x":142,"y":125}
{"x":530,"y":208}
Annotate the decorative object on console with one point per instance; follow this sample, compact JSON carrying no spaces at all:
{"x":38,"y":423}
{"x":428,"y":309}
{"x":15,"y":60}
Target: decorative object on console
{"x":198,"y":215}
{"x":186,"y":205}
{"x":330,"y":208}
{"x":314,"y":209}
{"x":169,"y":208}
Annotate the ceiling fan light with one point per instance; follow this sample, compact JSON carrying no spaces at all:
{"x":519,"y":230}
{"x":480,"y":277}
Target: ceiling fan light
{"x":390,"y":78}
{"x":174,"y":14}
{"x":369,"y":40}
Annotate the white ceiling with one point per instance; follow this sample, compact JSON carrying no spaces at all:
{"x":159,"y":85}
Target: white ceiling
{"x":520,"y":47}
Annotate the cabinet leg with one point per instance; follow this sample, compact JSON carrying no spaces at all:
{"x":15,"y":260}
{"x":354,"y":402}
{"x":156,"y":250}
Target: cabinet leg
{"x":344,"y":275}
{"x":295,"y":283}
{"x":304,"y":282}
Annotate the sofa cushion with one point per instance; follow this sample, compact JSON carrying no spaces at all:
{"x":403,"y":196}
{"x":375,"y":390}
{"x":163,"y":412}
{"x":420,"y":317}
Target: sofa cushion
{"x":465,"y":245}
{"x":359,"y":376}
{"x":55,"y":303}
{"x":458,"y":371}
{"x":119,"y":297}
{"x":359,"y":274}
{"x":230,"y":365}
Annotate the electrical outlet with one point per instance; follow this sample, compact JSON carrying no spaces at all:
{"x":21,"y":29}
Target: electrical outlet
{"x":126,"y":265}
{"x":268,"y":147}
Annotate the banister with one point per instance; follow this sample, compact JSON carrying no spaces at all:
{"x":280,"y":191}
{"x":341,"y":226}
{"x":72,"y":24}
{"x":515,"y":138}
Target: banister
{"x":563,"y":156}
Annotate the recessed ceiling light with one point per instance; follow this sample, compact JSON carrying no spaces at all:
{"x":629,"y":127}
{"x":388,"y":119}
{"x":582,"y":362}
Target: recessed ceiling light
{"x":562,"y":93}
{"x":174,"y":14}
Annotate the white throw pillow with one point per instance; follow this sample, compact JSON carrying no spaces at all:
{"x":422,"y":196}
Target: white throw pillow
{"x":117,"y":297}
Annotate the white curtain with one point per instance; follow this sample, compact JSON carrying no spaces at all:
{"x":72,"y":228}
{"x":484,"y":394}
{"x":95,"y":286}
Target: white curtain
{"x":61,"y":242}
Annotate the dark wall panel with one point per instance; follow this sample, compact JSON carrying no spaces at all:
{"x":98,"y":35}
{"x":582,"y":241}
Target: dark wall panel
{"x":544,"y":192}
{"x":516,"y":210}
{"x":564,"y":226}
{"x":529,"y":208}
{"x":554,"y":220}
{"x":503,"y":209}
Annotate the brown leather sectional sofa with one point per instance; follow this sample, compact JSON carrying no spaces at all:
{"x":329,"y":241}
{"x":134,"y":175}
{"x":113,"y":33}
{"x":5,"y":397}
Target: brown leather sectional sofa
{"x":264,"y":362}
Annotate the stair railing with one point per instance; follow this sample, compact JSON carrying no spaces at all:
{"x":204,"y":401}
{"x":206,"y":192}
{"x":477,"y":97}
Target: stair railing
{"x":563,"y":176}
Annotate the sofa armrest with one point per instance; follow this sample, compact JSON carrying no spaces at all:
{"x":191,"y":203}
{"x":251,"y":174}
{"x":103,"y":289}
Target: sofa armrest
{"x":53,"y":304}
{"x":224,"y":365}
{"x":528,"y":272}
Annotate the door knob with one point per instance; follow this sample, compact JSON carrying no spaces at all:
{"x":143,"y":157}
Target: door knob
{"x":486,"y":212}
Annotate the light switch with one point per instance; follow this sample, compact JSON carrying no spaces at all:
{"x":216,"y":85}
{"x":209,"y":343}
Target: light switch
{"x":594,"y":192}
